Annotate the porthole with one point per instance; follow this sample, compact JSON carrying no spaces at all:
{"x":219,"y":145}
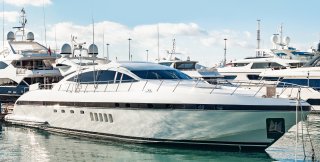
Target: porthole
{"x":105,"y":117}
{"x":96,"y":117}
{"x":63,"y":111}
{"x":81,"y":112}
{"x":100,"y":117}
{"x":55,"y":110}
{"x":110,"y":118}
{"x":71,"y":111}
{"x":91,"y":116}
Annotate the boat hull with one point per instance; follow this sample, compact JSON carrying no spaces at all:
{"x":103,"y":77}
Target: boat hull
{"x":176,"y":126}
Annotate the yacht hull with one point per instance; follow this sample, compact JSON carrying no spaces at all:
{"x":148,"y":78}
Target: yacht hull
{"x":175,"y":126}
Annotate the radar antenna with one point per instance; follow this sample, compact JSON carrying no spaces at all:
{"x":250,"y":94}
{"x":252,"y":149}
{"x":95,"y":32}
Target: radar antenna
{"x":23,"y":22}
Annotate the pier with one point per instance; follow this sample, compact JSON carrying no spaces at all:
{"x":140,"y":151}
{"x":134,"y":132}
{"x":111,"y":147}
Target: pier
{"x":5,"y":109}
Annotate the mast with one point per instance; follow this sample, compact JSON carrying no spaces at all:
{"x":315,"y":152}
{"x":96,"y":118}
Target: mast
{"x":44,"y":23}
{"x":2,"y":24}
{"x":281,"y":32}
{"x":258,"y":38}
{"x":158,"y":43}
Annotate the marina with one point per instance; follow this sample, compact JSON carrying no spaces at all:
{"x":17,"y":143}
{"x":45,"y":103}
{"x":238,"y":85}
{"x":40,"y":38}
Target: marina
{"x":63,"y":97}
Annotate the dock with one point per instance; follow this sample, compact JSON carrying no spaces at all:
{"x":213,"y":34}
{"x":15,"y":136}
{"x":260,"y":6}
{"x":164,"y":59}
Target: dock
{"x":2,"y":116}
{"x":5,"y":109}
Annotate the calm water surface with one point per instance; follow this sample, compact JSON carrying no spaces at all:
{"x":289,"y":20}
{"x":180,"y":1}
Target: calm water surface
{"x":26,"y":144}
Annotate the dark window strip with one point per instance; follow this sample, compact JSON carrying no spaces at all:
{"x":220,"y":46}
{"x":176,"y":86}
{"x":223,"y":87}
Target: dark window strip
{"x":165,"y":106}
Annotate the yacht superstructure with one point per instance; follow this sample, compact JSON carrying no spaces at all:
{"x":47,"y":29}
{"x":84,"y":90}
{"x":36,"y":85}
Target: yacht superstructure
{"x":24,"y":62}
{"x":251,"y":67}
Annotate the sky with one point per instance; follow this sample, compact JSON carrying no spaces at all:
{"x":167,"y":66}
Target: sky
{"x":198,"y":26}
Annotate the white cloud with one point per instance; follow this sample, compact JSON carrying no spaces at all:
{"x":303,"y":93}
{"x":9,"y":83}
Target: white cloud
{"x":36,"y":3}
{"x":191,"y":40}
{"x":10,"y":16}
{"x":234,"y":38}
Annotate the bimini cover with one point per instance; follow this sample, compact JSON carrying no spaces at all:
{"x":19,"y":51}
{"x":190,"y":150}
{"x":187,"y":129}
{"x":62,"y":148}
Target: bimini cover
{"x":93,"y":50}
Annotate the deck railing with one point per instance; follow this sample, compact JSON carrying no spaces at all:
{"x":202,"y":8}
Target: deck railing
{"x":157,"y":85}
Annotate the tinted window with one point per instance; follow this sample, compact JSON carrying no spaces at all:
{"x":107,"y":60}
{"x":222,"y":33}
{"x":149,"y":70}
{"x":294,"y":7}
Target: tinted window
{"x":106,"y":76}
{"x":275,"y":65}
{"x":91,"y":76}
{"x":229,"y":77}
{"x":160,"y":74}
{"x":239,"y":64}
{"x":125,"y":78}
{"x":260,"y":65}
{"x":185,"y":65}
{"x":253,"y":77}
{"x":3,"y":65}
{"x":165,"y":63}
{"x":266,"y":65}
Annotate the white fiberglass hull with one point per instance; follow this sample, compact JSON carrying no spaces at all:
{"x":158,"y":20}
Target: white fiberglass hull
{"x":210,"y":127}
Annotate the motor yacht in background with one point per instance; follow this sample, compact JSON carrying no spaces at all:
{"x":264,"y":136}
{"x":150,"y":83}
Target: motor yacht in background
{"x":75,"y":56}
{"x":151,"y":103}
{"x":250,"y":68}
{"x":23,"y":62}
{"x":191,"y":68}
{"x":281,"y":56}
{"x":308,"y":75}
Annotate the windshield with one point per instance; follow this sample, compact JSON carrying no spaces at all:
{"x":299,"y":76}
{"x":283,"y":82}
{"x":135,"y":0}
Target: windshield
{"x":27,"y":46}
{"x":160,"y":74}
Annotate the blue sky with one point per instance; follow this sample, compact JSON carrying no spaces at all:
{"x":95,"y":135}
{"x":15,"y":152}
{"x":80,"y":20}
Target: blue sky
{"x":198,"y":26}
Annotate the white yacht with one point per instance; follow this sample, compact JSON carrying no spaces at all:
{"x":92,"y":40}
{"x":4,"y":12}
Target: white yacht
{"x":151,"y":103}
{"x":23,"y":62}
{"x":251,"y":67}
{"x":308,"y":75}
{"x":280,"y":56}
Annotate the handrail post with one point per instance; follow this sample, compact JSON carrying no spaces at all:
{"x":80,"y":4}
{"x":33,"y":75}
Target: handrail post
{"x":86,"y":88}
{"x":176,"y":86}
{"x":214,"y":87}
{"x":258,"y":90}
{"x":68,"y":87}
{"x":106,"y":86}
{"x":198,"y":80}
{"x":130,"y":85}
{"x":160,"y":85}
{"x":118,"y":85}
{"x":145,"y":85}
{"x":236,"y":89}
{"x":59,"y":87}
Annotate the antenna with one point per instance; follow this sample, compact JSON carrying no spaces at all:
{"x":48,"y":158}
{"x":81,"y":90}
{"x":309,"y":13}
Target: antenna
{"x":281,"y":32}
{"x":93,"y":55}
{"x":103,"y":44}
{"x":173,"y":45}
{"x":55,"y":39}
{"x":22,"y":21}
{"x":2,"y":24}
{"x":44,"y":23}
{"x":258,"y":38}
{"x":158,"y":42}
